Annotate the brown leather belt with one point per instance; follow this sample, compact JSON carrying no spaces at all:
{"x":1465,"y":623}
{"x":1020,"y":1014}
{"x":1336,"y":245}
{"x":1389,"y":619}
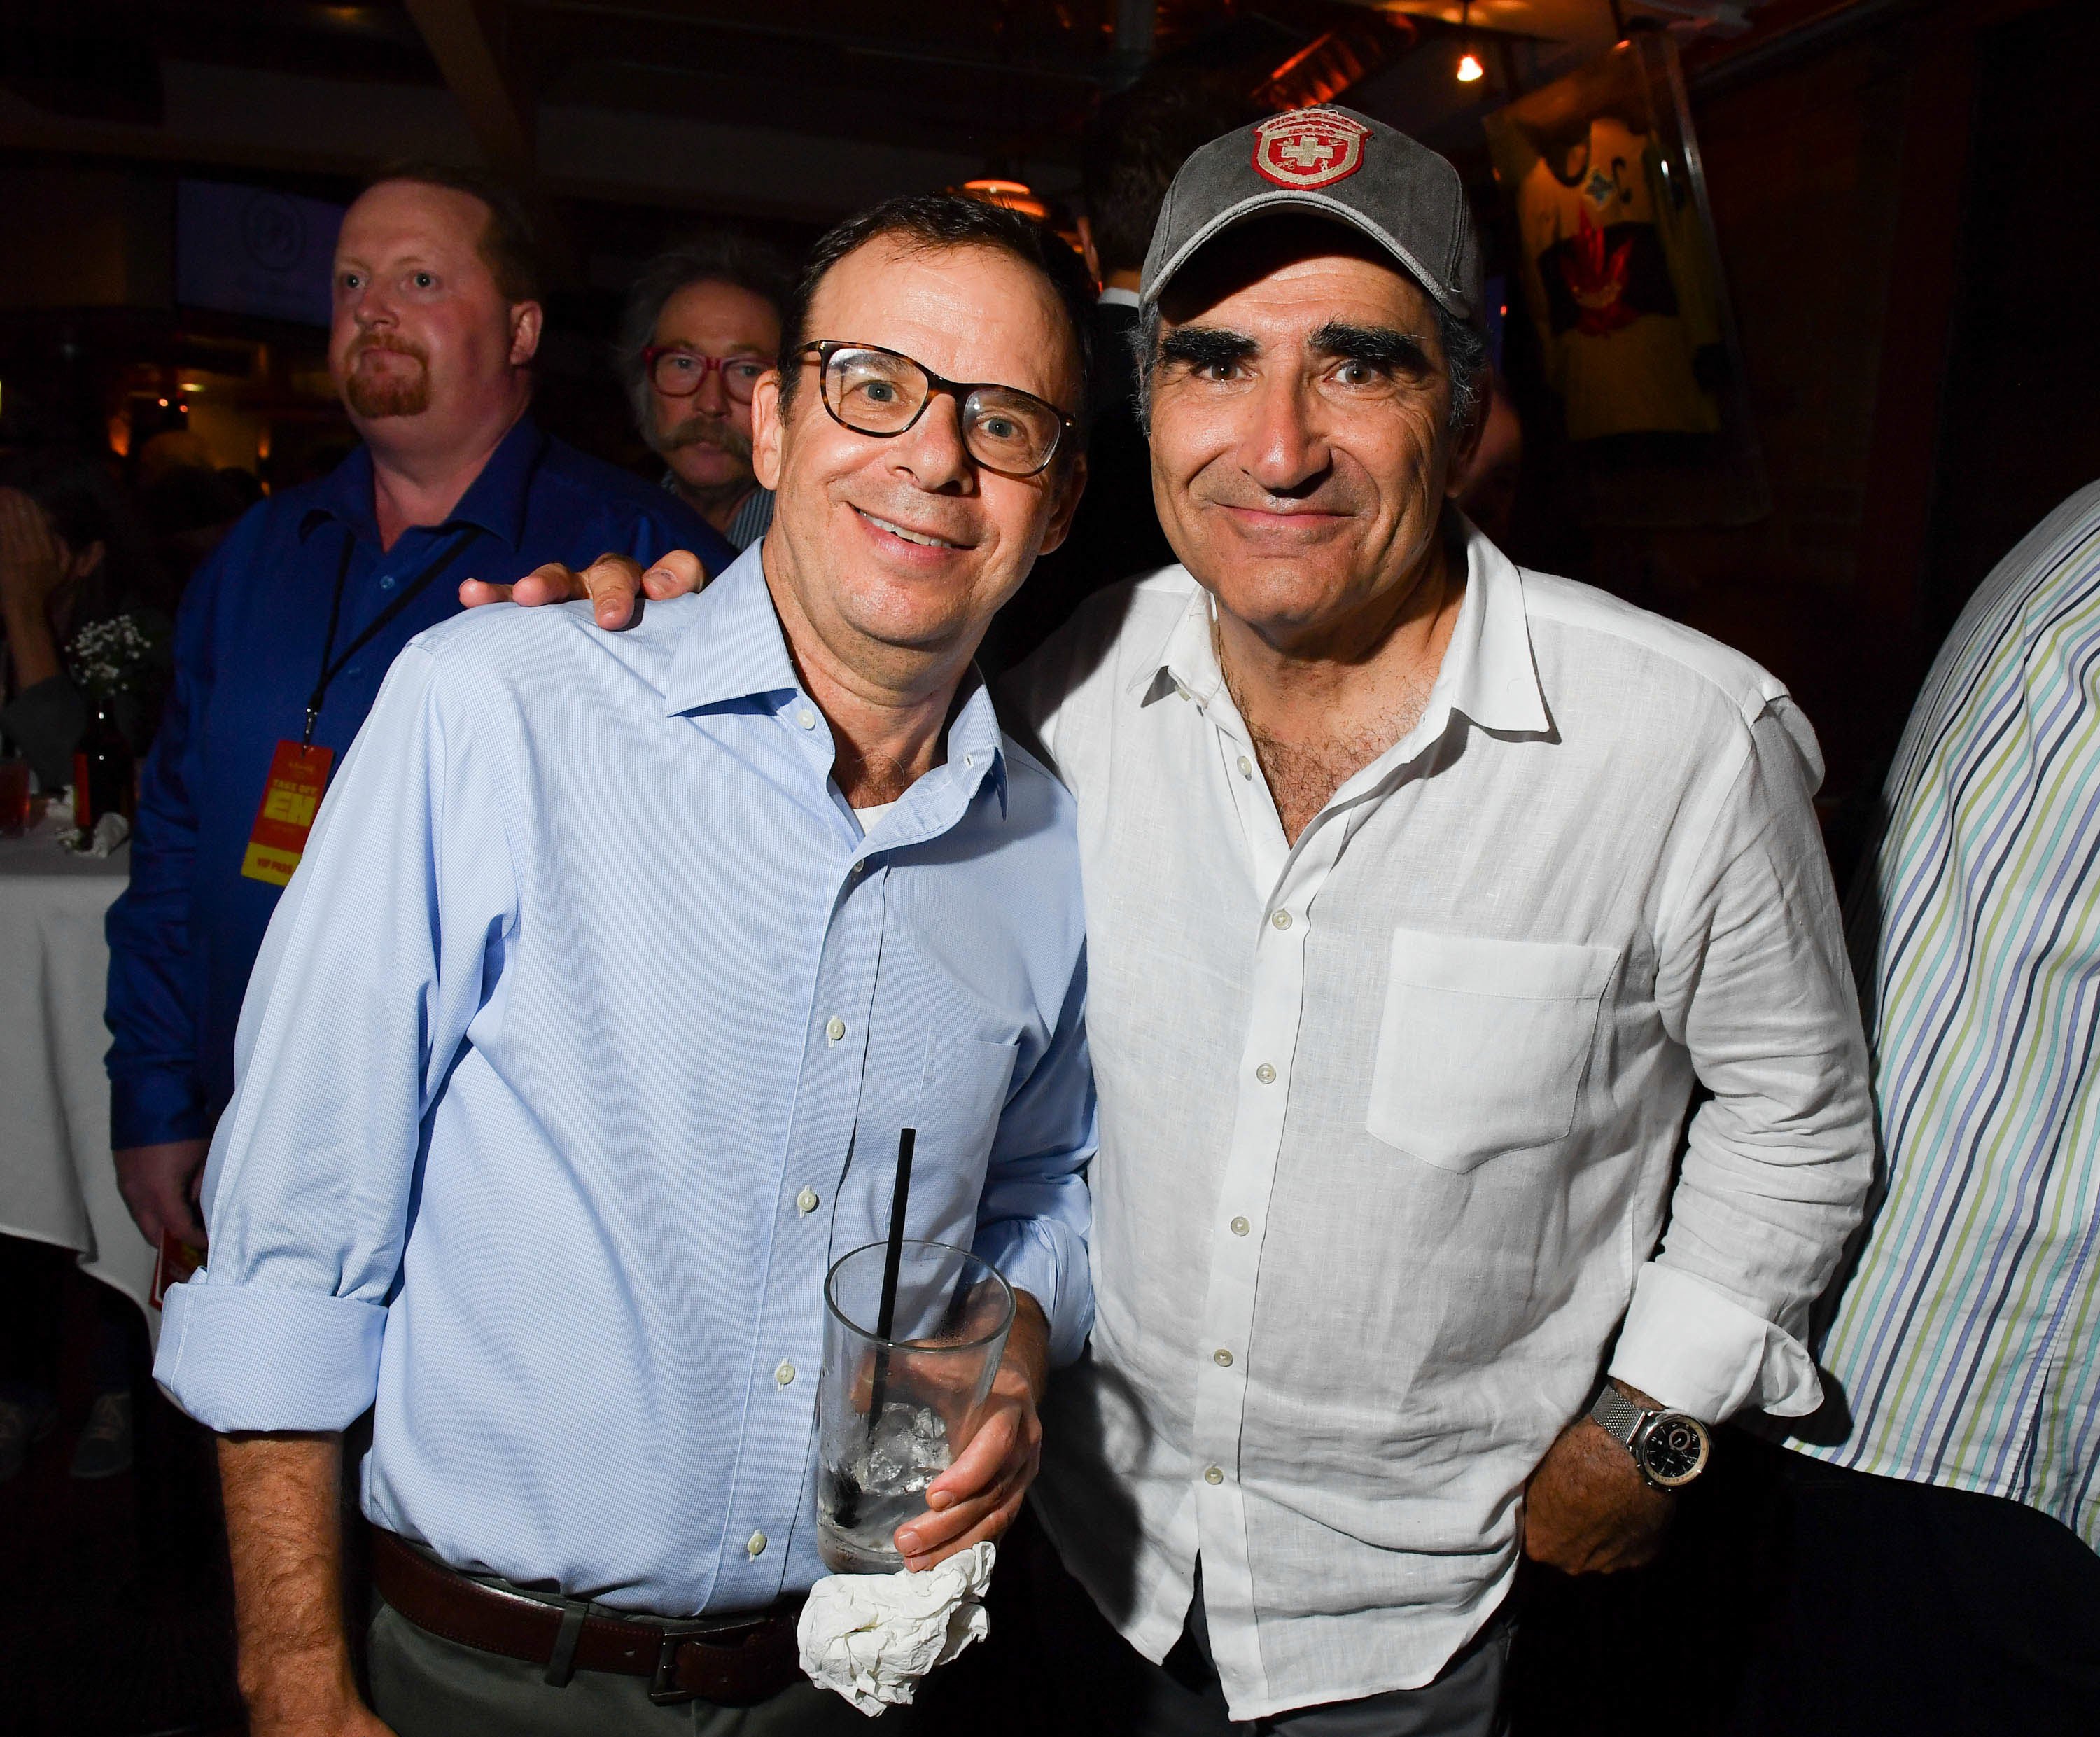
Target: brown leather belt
{"x":733,"y":1662}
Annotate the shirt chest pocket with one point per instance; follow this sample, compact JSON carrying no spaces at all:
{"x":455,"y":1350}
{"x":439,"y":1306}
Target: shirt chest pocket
{"x":1483,"y":1044}
{"x":962,"y":1094}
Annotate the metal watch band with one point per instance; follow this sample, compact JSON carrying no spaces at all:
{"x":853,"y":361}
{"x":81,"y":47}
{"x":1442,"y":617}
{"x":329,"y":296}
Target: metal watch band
{"x":1617,"y":1415}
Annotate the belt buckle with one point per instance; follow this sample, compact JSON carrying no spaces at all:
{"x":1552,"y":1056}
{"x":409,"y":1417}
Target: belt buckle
{"x":664,"y":1689}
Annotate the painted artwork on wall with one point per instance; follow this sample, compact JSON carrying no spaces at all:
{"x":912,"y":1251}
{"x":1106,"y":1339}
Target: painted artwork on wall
{"x":1623,"y":281}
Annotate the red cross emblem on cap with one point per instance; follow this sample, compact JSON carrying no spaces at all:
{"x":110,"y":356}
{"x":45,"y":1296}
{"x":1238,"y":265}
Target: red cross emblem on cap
{"x":1308,"y":147}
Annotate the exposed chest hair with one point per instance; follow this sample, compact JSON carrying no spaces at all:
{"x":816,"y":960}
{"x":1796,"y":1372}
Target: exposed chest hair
{"x":875,"y":779}
{"x":1303,"y":775}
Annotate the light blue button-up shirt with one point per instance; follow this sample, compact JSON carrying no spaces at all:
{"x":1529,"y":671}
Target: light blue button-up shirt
{"x":579,"y":1048}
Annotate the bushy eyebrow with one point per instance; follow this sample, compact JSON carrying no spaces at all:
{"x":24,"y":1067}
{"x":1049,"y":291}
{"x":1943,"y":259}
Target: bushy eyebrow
{"x":1379,"y":345}
{"x":1206,"y":346}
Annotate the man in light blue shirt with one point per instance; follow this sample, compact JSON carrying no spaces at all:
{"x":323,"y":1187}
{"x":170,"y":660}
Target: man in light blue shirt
{"x":769,"y":847}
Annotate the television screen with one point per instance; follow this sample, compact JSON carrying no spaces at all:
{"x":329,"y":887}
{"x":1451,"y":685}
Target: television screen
{"x":252,"y":250}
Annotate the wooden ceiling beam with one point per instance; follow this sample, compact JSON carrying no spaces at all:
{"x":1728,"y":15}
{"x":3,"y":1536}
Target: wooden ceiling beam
{"x":464,"y":38}
{"x":473,"y":50}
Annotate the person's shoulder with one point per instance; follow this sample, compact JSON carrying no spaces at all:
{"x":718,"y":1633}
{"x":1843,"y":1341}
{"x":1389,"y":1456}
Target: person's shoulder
{"x":1080,"y":667}
{"x":271,"y":520}
{"x":571,"y":467}
{"x":611,"y":488}
{"x":2057,"y":563}
{"x":251,"y":558}
{"x":1030,"y":782}
{"x":510,"y":645}
{"x":1697,"y":663}
{"x":1132,"y":618}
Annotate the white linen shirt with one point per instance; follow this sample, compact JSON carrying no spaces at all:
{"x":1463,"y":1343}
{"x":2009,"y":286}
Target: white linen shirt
{"x":1392,"y":1119}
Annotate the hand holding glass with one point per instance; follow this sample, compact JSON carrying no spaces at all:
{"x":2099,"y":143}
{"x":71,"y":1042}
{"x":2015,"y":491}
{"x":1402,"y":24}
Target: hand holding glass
{"x":893,"y":1413}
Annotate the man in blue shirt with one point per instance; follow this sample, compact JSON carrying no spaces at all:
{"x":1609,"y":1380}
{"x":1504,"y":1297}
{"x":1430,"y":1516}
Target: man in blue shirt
{"x":437,"y":319}
{"x":770,"y":848}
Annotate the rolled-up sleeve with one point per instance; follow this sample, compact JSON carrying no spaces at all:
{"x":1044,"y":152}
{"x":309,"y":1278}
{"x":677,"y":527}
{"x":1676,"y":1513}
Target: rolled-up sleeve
{"x":1752,"y":980}
{"x":1033,"y":1216}
{"x":383,"y":950}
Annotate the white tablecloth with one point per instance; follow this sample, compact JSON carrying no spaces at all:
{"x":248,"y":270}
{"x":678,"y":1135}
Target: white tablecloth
{"x":56,"y":1181}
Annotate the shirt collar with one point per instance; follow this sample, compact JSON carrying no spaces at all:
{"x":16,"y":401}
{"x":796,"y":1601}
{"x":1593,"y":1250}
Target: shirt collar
{"x":1117,"y":297}
{"x":495,"y":501}
{"x":1488,"y":675}
{"x":733,"y":648}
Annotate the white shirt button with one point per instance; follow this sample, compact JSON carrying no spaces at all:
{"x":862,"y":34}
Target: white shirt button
{"x":1240,"y":1227}
{"x":1266,"y":1074}
{"x":836,"y":1029}
{"x":784,"y":1374}
{"x":806,"y":717}
{"x":805,"y":1202}
{"x":1222,"y":1358}
{"x":1281,"y":919}
{"x":1211,"y":1474}
{"x":756,"y":1545}
{"x":1246,"y":767}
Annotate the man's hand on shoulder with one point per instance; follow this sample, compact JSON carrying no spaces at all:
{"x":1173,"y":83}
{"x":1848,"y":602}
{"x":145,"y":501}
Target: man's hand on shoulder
{"x":612,"y":582}
{"x":1587,"y":1509}
{"x":978,"y":1496}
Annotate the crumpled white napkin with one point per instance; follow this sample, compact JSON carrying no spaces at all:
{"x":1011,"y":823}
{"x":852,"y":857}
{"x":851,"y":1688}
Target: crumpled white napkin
{"x":871,"y":1637}
{"x":110,"y":831}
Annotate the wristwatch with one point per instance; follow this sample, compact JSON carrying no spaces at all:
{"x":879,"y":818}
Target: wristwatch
{"x":1669,"y":1447}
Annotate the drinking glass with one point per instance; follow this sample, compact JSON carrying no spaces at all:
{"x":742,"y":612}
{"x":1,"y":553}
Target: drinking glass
{"x":894,"y":1411}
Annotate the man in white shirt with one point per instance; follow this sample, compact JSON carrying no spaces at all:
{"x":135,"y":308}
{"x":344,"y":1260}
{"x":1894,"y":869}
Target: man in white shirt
{"x":1421,"y":891}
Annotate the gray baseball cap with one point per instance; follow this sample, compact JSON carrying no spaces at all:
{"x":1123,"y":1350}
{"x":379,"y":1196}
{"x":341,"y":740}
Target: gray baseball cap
{"x":1334,"y":163}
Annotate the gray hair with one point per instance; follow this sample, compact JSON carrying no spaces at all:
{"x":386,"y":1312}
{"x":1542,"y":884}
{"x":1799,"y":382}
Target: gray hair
{"x":1465,"y":358}
{"x":714,"y":256}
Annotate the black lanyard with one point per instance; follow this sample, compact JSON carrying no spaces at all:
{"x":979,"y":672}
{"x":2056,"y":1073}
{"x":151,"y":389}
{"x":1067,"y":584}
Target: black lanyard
{"x":410,"y":592}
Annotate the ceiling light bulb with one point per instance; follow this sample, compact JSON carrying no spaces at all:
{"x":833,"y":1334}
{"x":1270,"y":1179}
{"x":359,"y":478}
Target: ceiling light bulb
{"x":1470,"y":67}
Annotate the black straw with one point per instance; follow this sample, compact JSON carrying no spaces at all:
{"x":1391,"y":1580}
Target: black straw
{"x":893,"y":1259}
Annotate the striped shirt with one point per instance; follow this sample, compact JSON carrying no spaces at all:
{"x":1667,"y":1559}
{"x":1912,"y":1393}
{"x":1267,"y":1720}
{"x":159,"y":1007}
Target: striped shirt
{"x":751,"y":518}
{"x":1966,"y":1344}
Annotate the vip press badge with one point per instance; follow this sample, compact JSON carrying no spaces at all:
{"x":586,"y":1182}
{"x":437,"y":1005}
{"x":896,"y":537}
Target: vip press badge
{"x":298,"y":774}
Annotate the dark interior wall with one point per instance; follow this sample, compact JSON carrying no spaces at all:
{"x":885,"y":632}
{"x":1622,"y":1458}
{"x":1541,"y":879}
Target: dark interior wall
{"x":1912,"y":246}
{"x":1804,"y":170}
{"x":2020,"y":423}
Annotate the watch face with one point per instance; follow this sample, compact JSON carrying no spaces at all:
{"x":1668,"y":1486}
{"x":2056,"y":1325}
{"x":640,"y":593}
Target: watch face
{"x":1674,"y":1451}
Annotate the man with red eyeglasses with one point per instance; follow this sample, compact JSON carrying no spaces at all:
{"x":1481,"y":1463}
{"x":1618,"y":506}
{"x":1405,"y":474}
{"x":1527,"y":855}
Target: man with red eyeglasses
{"x":702,"y":324}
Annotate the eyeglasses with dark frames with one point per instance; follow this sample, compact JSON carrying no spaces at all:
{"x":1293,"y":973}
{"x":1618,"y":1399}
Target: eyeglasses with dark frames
{"x":676,"y":372}
{"x":883,"y":393}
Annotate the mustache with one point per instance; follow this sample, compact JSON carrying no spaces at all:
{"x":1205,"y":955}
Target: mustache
{"x":387,"y":344}
{"x":706,"y":430}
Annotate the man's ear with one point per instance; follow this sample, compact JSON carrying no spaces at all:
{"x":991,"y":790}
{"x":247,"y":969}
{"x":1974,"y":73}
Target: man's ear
{"x":1072,"y":485}
{"x":526,"y":321}
{"x":765,"y":430}
{"x":1467,"y":442}
{"x":1089,"y":252}
{"x":82,"y":562}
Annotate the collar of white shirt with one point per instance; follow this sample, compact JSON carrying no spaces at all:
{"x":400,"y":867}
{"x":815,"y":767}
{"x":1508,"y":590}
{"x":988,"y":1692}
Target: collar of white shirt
{"x":1488,"y":675}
